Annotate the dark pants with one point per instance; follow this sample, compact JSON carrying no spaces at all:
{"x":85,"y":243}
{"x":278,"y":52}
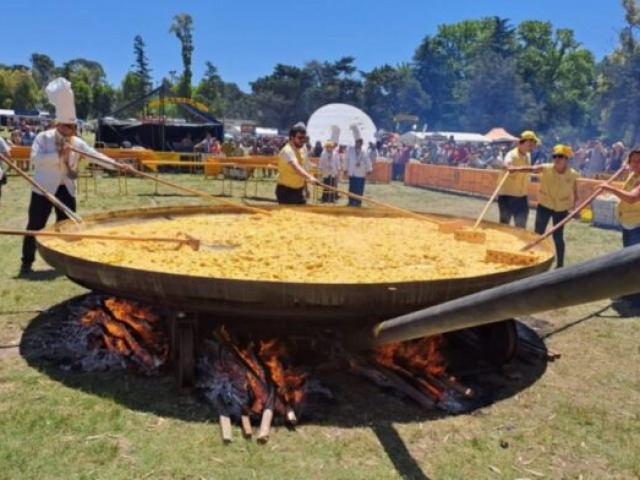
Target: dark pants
{"x":543,"y":215}
{"x":356,"y":186}
{"x":513,"y":207}
{"x":397,"y":171}
{"x":39,"y":211}
{"x":329,"y":196}
{"x":290,"y":196}
{"x":631,"y":237}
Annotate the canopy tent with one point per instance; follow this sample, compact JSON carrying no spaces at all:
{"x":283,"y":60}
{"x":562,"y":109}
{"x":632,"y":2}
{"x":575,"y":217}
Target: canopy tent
{"x":159,"y":132}
{"x":411,"y":138}
{"x":500,"y":135}
{"x":344,"y":117}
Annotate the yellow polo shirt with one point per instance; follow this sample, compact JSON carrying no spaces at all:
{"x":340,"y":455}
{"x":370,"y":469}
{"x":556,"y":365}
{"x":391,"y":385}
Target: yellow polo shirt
{"x":287,"y":176}
{"x":557,"y":189}
{"x":629,"y":213}
{"x":517,"y":184}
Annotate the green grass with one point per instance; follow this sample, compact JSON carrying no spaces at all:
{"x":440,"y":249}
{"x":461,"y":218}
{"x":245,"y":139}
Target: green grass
{"x":579,"y":420}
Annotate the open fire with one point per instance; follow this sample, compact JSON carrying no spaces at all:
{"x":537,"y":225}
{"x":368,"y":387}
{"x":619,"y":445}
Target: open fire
{"x":256,"y":382}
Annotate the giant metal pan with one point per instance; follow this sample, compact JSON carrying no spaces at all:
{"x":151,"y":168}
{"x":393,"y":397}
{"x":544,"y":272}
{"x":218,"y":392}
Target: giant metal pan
{"x":266,"y":301}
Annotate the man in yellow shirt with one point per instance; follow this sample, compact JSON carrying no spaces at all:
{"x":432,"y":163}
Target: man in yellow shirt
{"x":512,"y":197}
{"x":292,"y":176}
{"x":557,"y":194}
{"x":629,"y":217}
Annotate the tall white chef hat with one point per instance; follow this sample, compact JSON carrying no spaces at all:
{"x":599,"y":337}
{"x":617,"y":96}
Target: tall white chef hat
{"x":335,"y":134}
{"x":61,"y":96}
{"x":356,"y":132}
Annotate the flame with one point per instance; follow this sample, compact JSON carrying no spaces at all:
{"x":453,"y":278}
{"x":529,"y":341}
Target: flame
{"x":128,"y":329}
{"x":422,"y":355}
{"x":288,"y":381}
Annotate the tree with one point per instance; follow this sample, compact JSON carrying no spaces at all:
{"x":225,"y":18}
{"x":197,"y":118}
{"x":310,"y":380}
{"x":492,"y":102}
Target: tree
{"x":103,"y":100}
{"x":281,"y":98}
{"x":182,"y":28}
{"x":141,"y":66}
{"x":43,"y":69}
{"x":618,"y":92}
{"x":210,"y":90}
{"x":25,"y":92}
{"x":390,"y":91}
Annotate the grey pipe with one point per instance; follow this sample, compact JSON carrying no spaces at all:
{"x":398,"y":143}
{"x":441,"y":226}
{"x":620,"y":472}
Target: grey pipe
{"x":607,"y":276}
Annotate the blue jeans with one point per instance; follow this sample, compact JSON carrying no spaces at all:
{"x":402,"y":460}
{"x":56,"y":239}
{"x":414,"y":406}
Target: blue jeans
{"x":356,"y":186}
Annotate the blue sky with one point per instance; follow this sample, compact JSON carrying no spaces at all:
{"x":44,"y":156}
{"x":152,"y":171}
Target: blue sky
{"x":246,"y":39}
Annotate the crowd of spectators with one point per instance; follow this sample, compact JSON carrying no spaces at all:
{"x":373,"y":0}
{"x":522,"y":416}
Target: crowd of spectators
{"x":591,"y":158}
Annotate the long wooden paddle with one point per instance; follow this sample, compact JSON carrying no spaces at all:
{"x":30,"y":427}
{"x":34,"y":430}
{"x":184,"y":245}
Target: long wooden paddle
{"x":57,"y":203}
{"x":491,"y":199}
{"x":194,"y":243}
{"x":575,"y":212}
{"x":129,"y":168}
{"x":393,"y":208}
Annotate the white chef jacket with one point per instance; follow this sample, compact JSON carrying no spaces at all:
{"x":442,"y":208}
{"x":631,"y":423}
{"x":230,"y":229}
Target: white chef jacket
{"x":329,"y":163}
{"x":50,"y":170}
{"x":358,"y":163}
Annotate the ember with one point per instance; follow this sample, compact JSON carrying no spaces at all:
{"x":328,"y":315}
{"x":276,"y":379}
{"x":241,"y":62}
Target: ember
{"x":256,"y":382}
{"x":106,"y":333}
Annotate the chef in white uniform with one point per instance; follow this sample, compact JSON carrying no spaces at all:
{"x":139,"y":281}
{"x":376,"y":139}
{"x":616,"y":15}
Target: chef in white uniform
{"x":55,"y":165}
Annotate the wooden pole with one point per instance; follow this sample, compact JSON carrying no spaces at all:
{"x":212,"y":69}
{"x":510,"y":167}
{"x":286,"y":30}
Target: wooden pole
{"x":575,"y":212}
{"x":57,"y":203}
{"x":194,"y":243}
{"x":129,"y":168}
{"x":491,"y":199}
{"x":392,"y":208}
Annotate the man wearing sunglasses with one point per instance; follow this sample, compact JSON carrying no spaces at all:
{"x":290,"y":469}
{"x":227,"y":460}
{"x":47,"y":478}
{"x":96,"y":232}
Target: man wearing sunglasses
{"x":512,"y":198}
{"x":291,"y":188}
{"x":55,"y":166}
{"x":557,"y":195}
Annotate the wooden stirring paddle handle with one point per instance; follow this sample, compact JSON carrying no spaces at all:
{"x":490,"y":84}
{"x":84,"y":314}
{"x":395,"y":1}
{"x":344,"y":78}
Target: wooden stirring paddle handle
{"x":194,"y":243}
{"x":491,"y":199}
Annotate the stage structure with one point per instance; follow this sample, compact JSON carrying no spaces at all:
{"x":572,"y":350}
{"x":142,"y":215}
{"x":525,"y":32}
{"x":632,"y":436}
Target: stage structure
{"x":144,"y":123}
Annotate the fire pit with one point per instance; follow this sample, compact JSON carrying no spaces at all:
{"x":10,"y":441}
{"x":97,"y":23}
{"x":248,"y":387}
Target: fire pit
{"x":198,"y":302}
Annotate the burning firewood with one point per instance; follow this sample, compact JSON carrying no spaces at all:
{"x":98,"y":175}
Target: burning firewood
{"x":224,"y":420}
{"x":267,"y":417}
{"x":245,"y":423}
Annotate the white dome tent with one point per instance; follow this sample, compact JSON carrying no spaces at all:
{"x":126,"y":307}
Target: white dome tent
{"x":323,"y":122}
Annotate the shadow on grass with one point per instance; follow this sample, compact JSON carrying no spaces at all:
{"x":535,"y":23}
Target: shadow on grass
{"x":358,"y":403}
{"x":39,"y":275}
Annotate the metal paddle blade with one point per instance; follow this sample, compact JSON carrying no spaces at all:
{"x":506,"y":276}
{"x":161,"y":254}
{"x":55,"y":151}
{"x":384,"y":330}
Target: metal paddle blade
{"x":197,"y":244}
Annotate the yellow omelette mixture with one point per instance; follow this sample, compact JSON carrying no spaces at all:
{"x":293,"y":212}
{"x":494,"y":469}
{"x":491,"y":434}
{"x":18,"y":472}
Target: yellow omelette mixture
{"x":294,"y":246}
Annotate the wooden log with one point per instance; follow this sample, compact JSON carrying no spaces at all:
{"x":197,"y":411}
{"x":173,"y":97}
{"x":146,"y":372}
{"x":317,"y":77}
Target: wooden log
{"x":245,"y":424}
{"x":393,"y":380}
{"x":267,"y":417}
{"x":453,"y":384}
{"x":225,"y":421}
{"x":290,"y":416}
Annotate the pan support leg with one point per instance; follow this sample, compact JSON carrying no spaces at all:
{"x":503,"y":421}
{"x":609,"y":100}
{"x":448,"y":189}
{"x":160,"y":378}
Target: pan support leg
{"x":183,"y":334}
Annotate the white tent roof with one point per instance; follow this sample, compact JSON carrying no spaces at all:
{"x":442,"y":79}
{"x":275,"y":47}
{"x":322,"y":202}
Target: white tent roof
{"x":343,"y":116}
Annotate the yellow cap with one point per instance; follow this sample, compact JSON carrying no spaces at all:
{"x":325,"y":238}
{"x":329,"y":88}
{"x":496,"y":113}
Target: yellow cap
{"x":529,"y":135}
{"x":329,"y":144}
{"x":564,"y":150}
